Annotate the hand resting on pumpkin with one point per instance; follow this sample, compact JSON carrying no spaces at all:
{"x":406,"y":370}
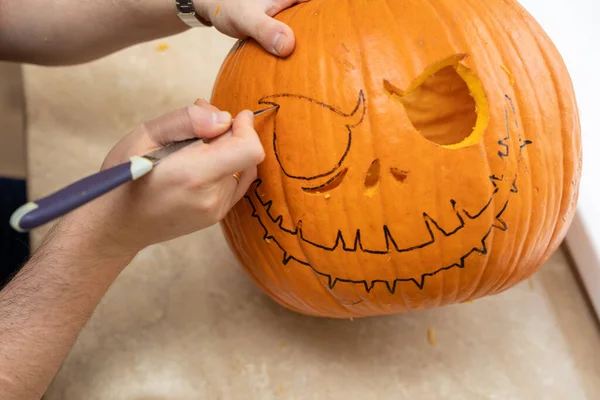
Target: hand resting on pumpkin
{"x":252,"y":18}
{"x":58,"y":289}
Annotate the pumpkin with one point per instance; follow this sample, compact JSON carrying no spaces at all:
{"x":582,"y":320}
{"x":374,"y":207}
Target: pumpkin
{"x":422,"y":154}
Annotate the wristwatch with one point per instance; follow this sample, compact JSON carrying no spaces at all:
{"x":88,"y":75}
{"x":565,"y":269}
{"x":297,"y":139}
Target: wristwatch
{"x":187,"y":13}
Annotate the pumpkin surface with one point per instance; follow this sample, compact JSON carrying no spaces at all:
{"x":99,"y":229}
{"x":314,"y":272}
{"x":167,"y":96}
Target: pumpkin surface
{"x":423,"y":153}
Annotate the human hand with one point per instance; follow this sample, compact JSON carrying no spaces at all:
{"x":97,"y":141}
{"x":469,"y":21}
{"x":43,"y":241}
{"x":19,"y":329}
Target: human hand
{"x":252,"y":18}
{"x":188,"y":191}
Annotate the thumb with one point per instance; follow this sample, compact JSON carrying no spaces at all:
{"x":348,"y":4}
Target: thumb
{"x":274,"y":36}
{"x":199,"y":120}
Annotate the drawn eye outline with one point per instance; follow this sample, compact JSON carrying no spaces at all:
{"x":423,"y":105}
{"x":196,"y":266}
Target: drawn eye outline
{"x":360,"y":107}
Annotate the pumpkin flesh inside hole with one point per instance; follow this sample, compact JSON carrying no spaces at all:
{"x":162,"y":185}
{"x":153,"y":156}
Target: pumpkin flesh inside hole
{"x":372,"y":178}
{"x":446,"y":104}
{"x":399,"y":174}
{"x":329,"y":185}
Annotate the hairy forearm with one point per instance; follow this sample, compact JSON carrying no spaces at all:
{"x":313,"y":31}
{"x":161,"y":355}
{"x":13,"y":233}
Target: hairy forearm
{"x":55,"y":32}
{"x":45,"y":306}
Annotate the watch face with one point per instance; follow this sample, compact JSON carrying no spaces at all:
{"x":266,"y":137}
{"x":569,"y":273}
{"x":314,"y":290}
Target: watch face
{"x":185,"y":6}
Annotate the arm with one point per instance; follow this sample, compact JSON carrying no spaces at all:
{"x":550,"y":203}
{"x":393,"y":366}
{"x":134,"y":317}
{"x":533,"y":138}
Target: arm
{"x":54,"y":32}
{"x":44,"y":307}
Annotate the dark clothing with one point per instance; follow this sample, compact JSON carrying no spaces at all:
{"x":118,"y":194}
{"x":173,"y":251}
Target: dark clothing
{"x":14,"y":246}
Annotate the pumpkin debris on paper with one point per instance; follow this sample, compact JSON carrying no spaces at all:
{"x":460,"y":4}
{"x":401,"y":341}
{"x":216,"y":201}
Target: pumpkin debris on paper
{"x":162,"y":47}
{"x":431,"y":336}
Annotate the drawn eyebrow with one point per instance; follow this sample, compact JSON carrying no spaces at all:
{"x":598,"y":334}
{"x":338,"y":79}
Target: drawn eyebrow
{"x":360,"y":106}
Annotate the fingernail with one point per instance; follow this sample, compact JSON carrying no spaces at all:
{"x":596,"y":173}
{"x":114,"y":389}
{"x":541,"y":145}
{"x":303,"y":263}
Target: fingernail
{"x":279,"y":43}
{"x":221,"y":117}
{"x":200,"y":102}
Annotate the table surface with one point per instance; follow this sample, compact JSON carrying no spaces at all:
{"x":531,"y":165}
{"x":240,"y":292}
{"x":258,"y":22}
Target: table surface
{"x":183,"y":320}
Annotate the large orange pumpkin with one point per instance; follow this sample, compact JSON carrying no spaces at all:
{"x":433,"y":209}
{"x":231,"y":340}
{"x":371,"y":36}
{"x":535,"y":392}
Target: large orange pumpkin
{"x":423,"y":153}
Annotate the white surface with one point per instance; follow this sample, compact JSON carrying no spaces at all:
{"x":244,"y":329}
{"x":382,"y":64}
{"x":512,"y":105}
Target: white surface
{"x":573,"y":26}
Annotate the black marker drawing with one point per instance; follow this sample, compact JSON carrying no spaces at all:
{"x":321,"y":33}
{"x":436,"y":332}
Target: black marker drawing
{"x":274,"y":230}
{"x":356,"y":117}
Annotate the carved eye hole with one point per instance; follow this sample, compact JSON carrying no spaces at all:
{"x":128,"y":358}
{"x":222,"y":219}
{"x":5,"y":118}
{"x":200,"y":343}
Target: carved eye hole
{"x":310,"y":138}
{"x":329,"y":185}
{"x":446,"y":104}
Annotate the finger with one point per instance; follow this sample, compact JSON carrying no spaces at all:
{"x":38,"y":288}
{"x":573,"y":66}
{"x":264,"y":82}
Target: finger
{"x":229,"y":133}
{"x":224,"y":157}
{"x":274,"y":36}
{"x":238,"y":152}
{"x":231,"y":190}
{"x":208,"y":121}
{"x":246,"y":178}
{"x":223,"y":136}
{"x":220,"y":137}
{"x":243,"y":126}
{"x":279,"y":5}
{"x":206,"y":104}
{"x":235,"y":188}
{"x":168,"y":128}
{"x":195,"y":121}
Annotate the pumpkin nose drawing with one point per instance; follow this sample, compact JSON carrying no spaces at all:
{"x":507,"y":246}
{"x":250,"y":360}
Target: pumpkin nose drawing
{"x":373,"y":177}
{"x":399,"y":175}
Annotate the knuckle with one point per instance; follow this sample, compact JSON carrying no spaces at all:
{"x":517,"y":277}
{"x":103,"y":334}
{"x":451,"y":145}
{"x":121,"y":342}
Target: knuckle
{"x":253,"y":174}
{"x":262,"y":30}
{"x":209,"y":204}
{"x":196,"y":184}
{"x":142,"y":128}
{"x":256,"y":152}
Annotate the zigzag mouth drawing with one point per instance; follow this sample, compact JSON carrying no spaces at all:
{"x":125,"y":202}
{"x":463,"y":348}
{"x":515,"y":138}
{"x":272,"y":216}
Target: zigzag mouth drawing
{"x":469,"y":223}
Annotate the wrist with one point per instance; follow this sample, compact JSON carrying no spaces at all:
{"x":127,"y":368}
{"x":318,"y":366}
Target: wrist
{"x":193,"y":13}
{"x":203,"y":11}
{"x":154,"y":19}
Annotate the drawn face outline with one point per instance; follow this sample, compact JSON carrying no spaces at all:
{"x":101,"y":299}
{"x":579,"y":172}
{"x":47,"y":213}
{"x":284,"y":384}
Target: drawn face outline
{"x":274,"y":231}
